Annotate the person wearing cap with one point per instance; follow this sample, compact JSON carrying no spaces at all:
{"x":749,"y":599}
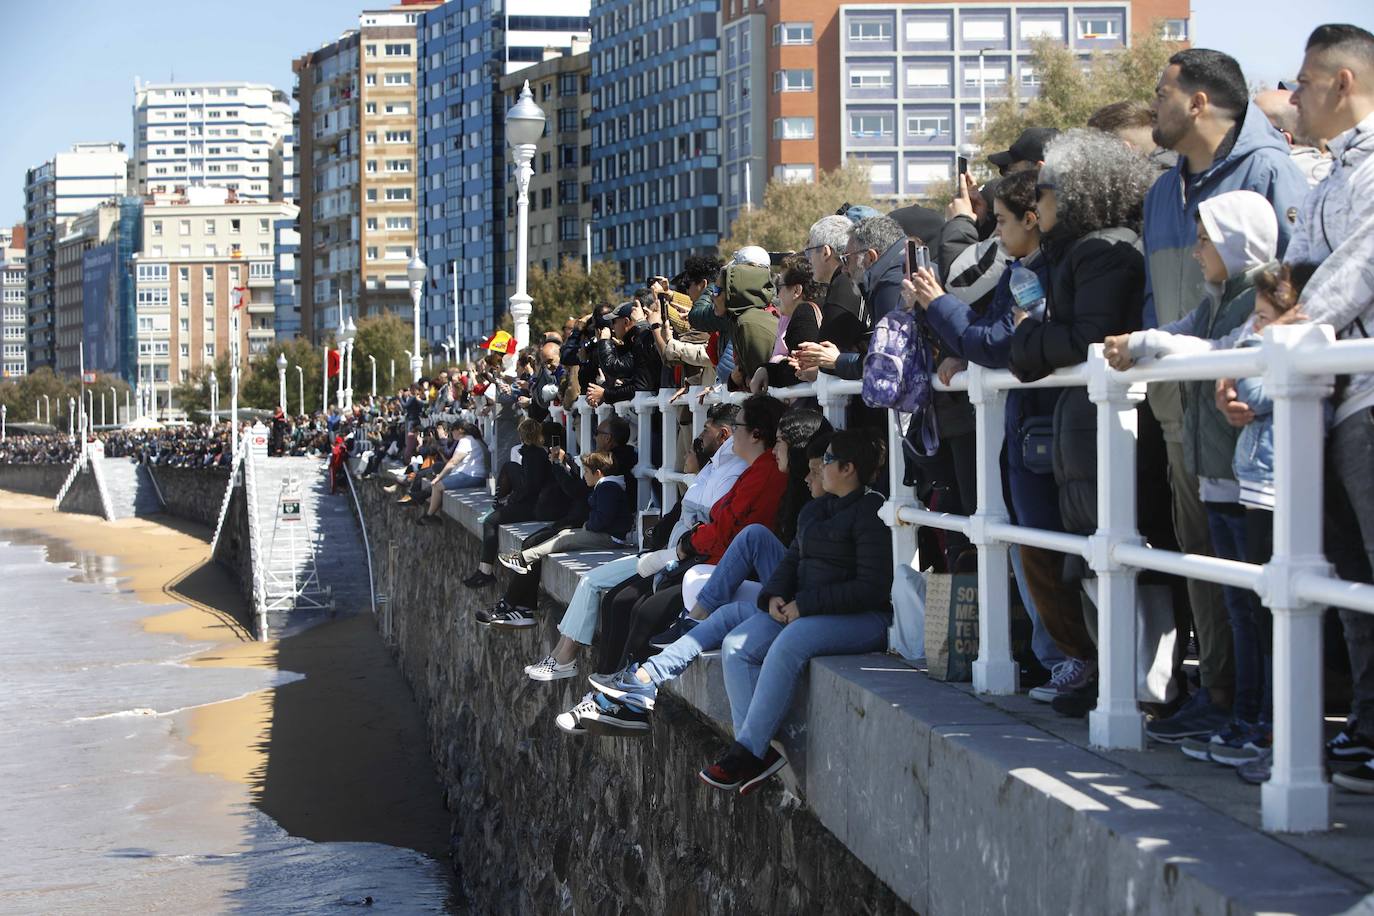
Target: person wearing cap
{"x":1028,"y":152}
{"x":633,"y":364}
{"x":745,"y":300}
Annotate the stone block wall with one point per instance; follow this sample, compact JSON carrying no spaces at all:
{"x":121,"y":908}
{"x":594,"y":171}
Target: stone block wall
{"x":192,"y":493}
{"x":83,"y":496}
{"x":34,"y":479}
{"x":547,"y":822}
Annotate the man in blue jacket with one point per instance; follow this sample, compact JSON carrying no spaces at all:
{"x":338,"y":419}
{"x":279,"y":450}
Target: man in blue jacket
{"x":1224,"y":143}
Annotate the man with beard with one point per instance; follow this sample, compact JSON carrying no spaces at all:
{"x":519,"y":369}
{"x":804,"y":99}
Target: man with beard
{"x":1224,"y":143}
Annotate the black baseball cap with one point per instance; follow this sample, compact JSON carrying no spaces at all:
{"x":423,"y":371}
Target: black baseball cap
{"x":625,"y":310}
{"x":1029,"y":147}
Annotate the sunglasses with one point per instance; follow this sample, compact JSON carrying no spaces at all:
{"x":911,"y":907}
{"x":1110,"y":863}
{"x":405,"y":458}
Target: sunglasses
{"x":828,"y":458}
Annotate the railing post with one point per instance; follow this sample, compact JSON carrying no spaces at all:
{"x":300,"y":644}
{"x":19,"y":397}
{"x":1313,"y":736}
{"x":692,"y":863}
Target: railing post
{"x":994,"y":671}
{"x":903,"y":535}
{"x":832,"y":405}
{"x":1296,"y":798}
{"x":1116,"y":722}
{"x":697,"y":408}
{"x":643,"y":404}
{"x":586,"y":420}
{"x":669,"y":465}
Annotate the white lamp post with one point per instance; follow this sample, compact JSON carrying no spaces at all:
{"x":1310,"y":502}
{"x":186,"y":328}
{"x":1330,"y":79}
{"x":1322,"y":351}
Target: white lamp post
{"x":324,"y":388}
{"x":351,"y":330}
{"x":214,"y":398}
{"x":235,"y":300}
{"x":373,"y":360}
{"x":415,"y":272}
{"x":300,"y":375}
{"x":4,"y":411}
{"x":128,"y":404}
{"x":391,"y":379}
{"x":281,"y":381}
{"x":524,"y":127}
{"x":114,"y":404}
{"x":47,"y":408}
{"x":71,"y":416}
{"x":448,"y":360}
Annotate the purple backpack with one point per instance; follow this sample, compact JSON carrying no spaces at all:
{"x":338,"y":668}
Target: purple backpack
{"x":897,"y":373}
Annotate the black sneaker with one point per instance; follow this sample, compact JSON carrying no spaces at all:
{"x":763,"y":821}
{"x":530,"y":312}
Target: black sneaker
{"x":486,"y":615}
{"x":513,"y":618}
{"x":1360,"y":779}
{"x":1077,"y":703}
{"x":614,"y":719}
{"x":773,"y":761}
{"x":1349,"y":747}
{"x":736,"y":767}
{"x":515,"y":562}
{"x":680,"y":628}
{"x":479,"y":579}
{"x":1198,"y":718}
{"x":427,"y":519}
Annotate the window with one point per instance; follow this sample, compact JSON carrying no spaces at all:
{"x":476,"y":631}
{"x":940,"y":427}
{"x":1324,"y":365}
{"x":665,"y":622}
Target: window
{"x":211,"y":250}
{"x":399,"y":222}
{"x":1029,"y":77}
{"x":184,"y":227}
{"x":397,"y":136}
{"x":185,"y":350}
{"x":918,"y":172}
{"x":157,"y":227}
{"x":870,"y":30}
{"x":871,"y":125}
{"x":209,"y":275}
{"x":984,"y":30}
{"x":880,"y":172}
{"x":370,"y":79}
{"x":183,"y":275}
{"x":370,"y":50}
{"x":1174,"y":30}
{"x":207,"y":299}
{"x":372,"y":166}
{"x":260,"y":270}
{"x":399,"y":252}
{"x":870,"y":78}
{"x":397,"y":50}
{"x":793,"y":33}
{"x":184,"y":325}
{"x":927,"y":30}
{"x":370,"y":108}
{"x":794,"y":128}
{"x":152,"y":272}
{"x":209,"y":324}
{"x":398,"y":165}
{"x":397,"y":108}
{"x":794,"y":80}
{"x":993,"y":74}
{"x":235,"y":226}
{"x":372,"y":253}
{"x":264,"y":226}
{"x":1099,"y":27}
{"x":209,"y":227}
{"x":395,"y":193}
{"x":791,"y":173}
{"x":927,"y":77}
{"x":927,"y":125}
{"x":397,"y":79}
{"x":183,"y":300}
{"x":372,"y":224}
{"x":209,"y":351}
{"x":1042,"y":28}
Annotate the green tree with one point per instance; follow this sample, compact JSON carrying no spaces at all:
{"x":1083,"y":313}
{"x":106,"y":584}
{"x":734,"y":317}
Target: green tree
{"x":1070,"y":92}
{"x":386,"y":337}
{"x":193,"y":395}
{"x":789,"y":208}
{"x":568,"y":291}
{"x":19,"y":394}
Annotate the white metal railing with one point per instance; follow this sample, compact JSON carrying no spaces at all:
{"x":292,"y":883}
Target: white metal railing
{"x":62,"y":491}
{"x":157,"y":487}
{"x":1297,"y":364}
{"x":228,"y":497}
{"x":98,"y":474}
{"x":367,"y":546}
{"x":255,"y":557}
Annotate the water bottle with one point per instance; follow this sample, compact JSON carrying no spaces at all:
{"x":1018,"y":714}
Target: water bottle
{"x":1027,"y":292}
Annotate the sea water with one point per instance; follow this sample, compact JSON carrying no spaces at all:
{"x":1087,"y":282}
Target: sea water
{"x":100,"y":809}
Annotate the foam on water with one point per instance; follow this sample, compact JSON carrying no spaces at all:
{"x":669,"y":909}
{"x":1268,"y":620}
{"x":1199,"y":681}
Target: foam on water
{"x":100,"y":807}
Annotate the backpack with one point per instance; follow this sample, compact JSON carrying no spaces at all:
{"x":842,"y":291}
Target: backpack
{"x":897,"y":367}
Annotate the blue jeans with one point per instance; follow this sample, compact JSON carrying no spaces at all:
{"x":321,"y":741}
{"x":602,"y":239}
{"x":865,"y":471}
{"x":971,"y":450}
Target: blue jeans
{"x":1226,"y":524}
{"x":763,"y":660}
{"x":579,"y":620}
{"x":456,"y":481}
{"x":703,"y":637}
{"x":1042,"y":645}
{"x":753,"y":554}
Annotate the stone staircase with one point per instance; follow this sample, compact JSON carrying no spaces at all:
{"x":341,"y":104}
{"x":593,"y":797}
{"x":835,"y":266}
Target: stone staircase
{"x":129,"y":488}
{"x":313,"y":568}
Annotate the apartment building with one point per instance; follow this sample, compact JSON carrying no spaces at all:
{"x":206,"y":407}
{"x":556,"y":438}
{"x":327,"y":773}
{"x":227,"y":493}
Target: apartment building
{"x":200,"y":246}
{"x":560,"y":209}
{"x":655,"y":123}
{"x":466,"y":48}
{"x":356,"y":168}
{"x":54,"y":192}
{"x":228,"y":134}
{"x":85,"y":231}
{"x":287,"y":320}
{"x":14,"y":296}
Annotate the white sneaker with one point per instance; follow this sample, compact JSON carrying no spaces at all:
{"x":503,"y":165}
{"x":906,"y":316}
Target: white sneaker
{"x":571,"y":721}
{"x":1069,"y":675}
{"x":549,"y":669}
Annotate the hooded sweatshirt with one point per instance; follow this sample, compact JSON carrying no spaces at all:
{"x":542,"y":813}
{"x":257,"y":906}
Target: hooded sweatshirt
{"x":1244,"y":231}
{"x":748,"y":295}
{"x":1254,"y":158}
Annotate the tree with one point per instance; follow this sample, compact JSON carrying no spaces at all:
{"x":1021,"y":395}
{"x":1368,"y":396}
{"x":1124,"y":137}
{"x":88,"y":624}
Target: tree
{"x":193,"y":395}
{"x":386,"y":337}
{"x":1070,"y":93}
{"x":790,"y":207}
{"x":19,"y":394}
{"x":568,"y":292}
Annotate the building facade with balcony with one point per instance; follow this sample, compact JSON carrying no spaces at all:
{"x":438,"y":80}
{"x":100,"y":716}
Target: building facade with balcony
{"x":356,"y":167}
{"x":287,"y":321}
{"x":83,"y":232}
{"x":656,"y":159}
{"x":467,"y":47}
{"x":200,"y":247}
{"x":54,"y":192}
{"x":229,"y":134}
{"x":560,"y":197}
{"x":14,"y":297}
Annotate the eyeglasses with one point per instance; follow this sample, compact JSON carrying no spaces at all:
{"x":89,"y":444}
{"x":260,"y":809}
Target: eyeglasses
{"x":811,"y":248}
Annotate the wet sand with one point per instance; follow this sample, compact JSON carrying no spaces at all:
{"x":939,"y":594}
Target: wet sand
{"x":340,"y":755}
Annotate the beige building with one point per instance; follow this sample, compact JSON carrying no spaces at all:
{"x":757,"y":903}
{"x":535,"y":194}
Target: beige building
{"x":14,"y":297}
{"x":356,"y":168}
{"x":560,"y":199}
{"x":199,"y":246}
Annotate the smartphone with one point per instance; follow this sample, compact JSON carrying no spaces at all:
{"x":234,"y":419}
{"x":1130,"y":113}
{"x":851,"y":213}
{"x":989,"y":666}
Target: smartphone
{"x":555,"y":442}
{"x":963,"y":166}
{"x":917,"y":256}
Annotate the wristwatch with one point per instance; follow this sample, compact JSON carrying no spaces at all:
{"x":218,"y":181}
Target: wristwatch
{"x":655,"y":326}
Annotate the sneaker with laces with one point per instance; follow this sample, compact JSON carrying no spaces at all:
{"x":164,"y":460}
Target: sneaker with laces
{"x":738,"y":768}
{"x":513,"y":618}
{"x":571,"y":721}
{"x":617,"y":718}
{"x":624,"y":684}
{"x":515,"y":562}
{"x":773,"y":761}
{"x":479,"y":579}
{"x":1239,"y":742}
{"x":551,"y":669}
{"x":1349,"y":746}
{"x":1198,"y":718}
{"x":1360,"y":779}
{"x":1068,"y":676}
{"x":484,"y":616}
{"x":1256,"y":772}
{"x":680,"y":628}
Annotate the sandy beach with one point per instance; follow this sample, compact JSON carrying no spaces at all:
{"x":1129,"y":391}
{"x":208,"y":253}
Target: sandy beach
{"x":340,"y":755}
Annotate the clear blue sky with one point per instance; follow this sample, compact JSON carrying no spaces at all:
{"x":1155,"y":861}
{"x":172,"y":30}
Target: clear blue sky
{"x":69,"y":66}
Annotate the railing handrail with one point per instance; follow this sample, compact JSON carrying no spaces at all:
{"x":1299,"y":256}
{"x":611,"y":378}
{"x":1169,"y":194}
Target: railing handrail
{"x":367,"y":546}
{"x":250,"y":492}
{"x":228,"y":497}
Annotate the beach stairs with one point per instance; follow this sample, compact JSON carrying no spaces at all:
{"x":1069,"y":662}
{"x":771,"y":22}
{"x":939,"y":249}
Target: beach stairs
{"x":314,"y":562}
{"x":129,"y":488}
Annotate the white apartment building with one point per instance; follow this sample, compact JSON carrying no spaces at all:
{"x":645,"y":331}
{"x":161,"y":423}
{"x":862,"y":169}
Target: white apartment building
{"x":198,"y":248}
{"x":228,"y":134}
{"x":14,"y":297}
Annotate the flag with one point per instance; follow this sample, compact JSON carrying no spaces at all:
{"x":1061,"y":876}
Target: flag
{"x":88,"y":378}
{"x":238,"y":296}
{"x":335,"y":363}
{"x":500,"y":342}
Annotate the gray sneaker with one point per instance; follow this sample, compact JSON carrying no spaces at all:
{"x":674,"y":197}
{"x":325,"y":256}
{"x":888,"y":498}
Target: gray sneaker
{"x":1256,"y":772}
{"x":1068,"y":676}
{"x":1198,"y":718}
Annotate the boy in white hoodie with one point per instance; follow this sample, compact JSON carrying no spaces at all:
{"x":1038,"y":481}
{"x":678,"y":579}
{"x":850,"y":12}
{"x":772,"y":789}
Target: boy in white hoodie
{"x":1237,"y":239}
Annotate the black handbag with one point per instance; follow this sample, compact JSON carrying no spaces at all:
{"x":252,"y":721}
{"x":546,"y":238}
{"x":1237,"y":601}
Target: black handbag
{"x":1036,"y":441}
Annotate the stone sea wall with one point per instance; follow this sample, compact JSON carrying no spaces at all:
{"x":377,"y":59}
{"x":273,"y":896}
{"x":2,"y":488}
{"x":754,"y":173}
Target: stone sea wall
{"x":545,"y":822}
{"x":34,"y":479}
{"x":192,"y":493}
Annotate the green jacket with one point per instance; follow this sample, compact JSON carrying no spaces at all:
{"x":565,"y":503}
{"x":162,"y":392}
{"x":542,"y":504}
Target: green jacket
{"x":748,"y":293}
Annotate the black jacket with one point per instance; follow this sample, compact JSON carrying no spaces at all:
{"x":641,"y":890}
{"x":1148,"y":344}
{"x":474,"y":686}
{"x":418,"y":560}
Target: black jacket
{"x":842,"y":313}
{"x":841,"y":560}
{"x":569,"y":491}
{"x":633,"y":366}
{"x":1096,"y":289}
{"x":530,"y":479}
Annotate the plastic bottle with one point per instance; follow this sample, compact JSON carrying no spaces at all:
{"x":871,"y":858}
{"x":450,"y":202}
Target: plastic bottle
{"x":1027,"y":291}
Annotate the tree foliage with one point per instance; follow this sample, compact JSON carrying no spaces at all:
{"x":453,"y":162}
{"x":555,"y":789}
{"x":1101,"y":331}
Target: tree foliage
{"x":568,"y":291}
{"x":1070,"y":92}
{"x":19,"y":394}
{"x":789,"y":209}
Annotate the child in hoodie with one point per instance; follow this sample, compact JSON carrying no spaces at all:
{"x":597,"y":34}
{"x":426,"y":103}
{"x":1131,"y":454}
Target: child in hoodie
{"x":1237,"y":239}
{"x":607,"y":526}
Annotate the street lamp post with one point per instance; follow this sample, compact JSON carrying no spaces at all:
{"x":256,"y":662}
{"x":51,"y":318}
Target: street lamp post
{"x":47,"y":408}
{"x":214,"y":398}
{"x":281,"y":381}
{"x":524,"y":126}
{"x":373,"y":360}
{"x":391,"y":378}
{"x":300,"y":375}
{"x":235,"y":300}
{"x":448,"y":360}
{"x":114,"y":404}
{"x":71,"y":416}
{"x":4,"y":412}
{"x":415,"y":273}
{"x":351,"y":330}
